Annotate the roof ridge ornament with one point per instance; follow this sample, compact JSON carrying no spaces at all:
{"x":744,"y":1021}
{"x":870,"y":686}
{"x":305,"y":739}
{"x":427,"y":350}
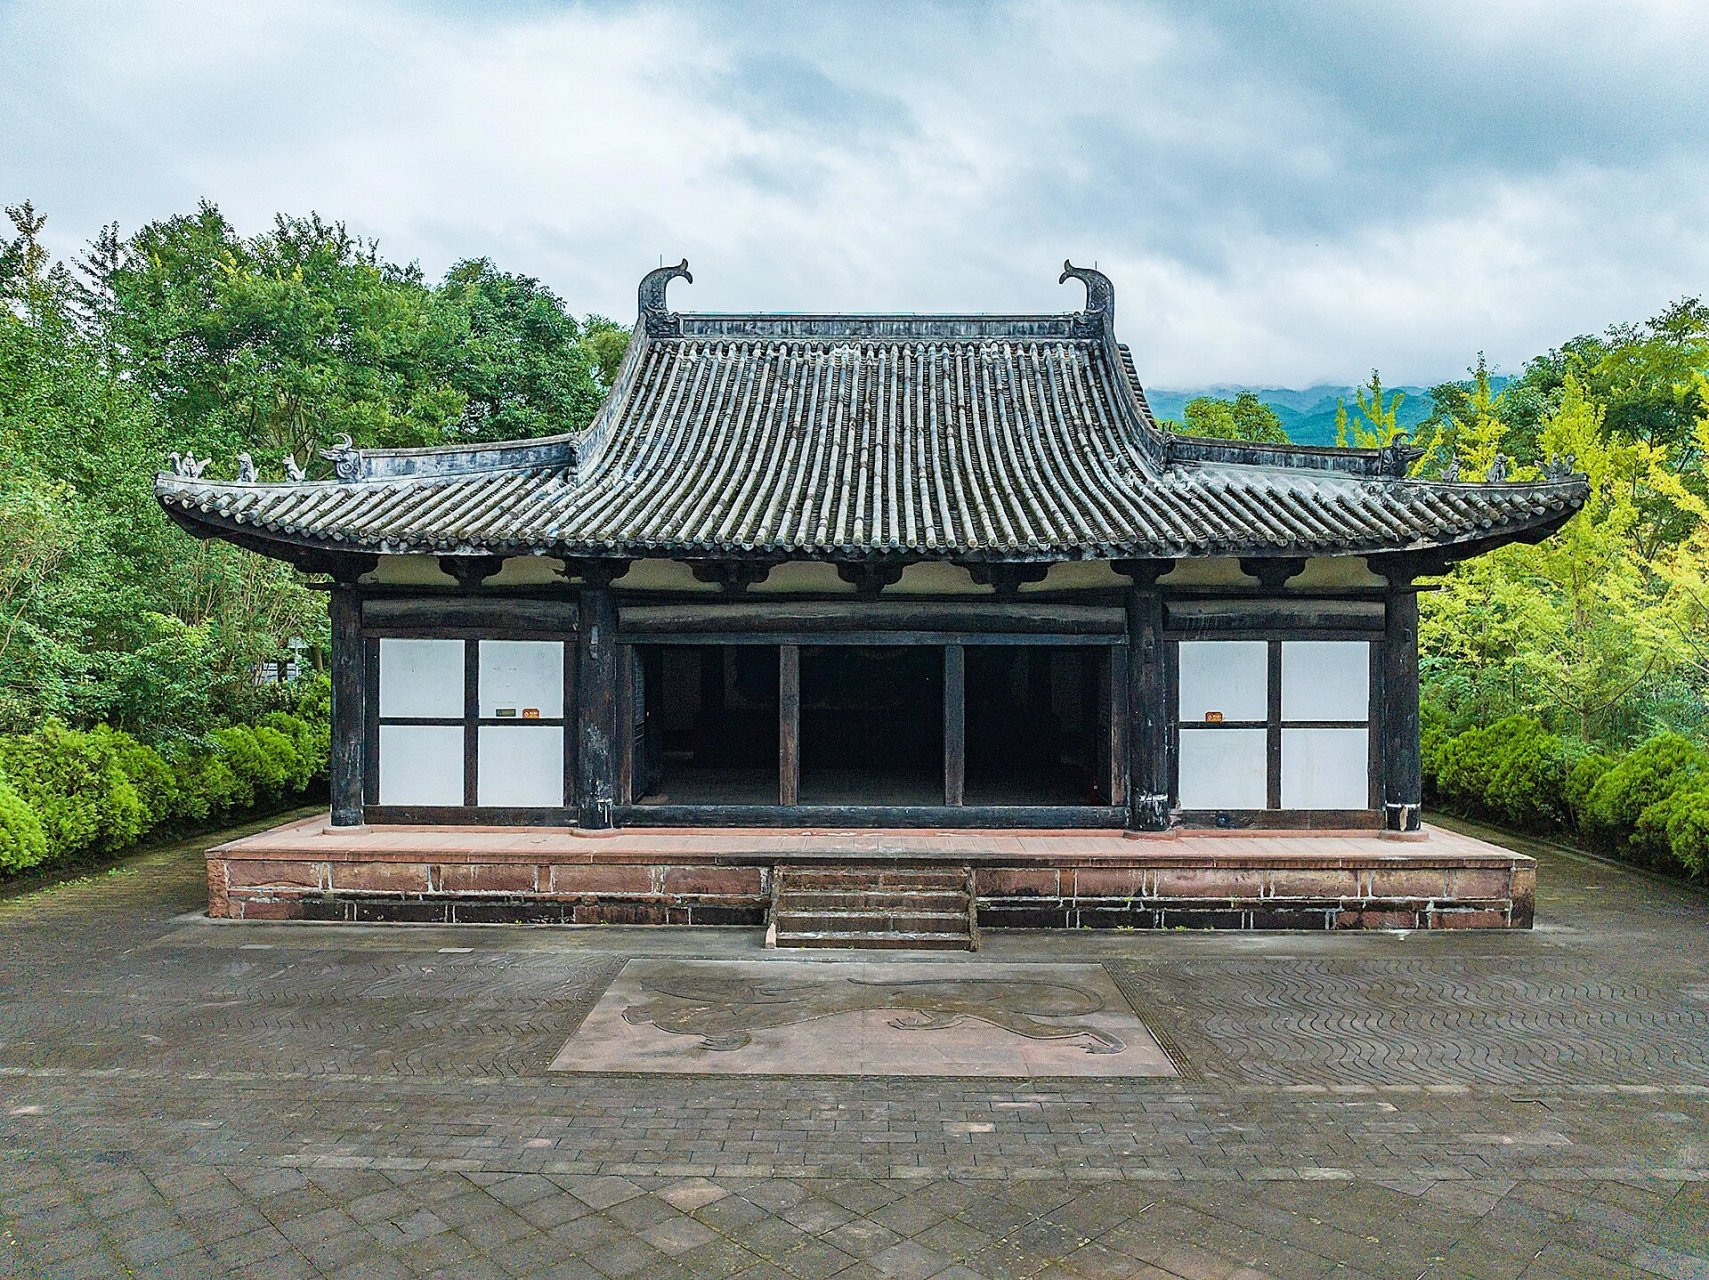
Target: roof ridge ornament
{"x":1099,"y":314}
{"x":1395,"y":459}
{"x":658,"y":319}
{"x":345,"y":457}
{"x":186,"y":466}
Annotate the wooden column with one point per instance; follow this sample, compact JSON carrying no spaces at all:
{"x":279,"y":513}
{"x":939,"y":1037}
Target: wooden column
{"x":788,"y":724}
{"x":597,"y":702}
{"x":955,"y":724}
{"x":349,"y":706}
{"x":1147,"y":710}
{"x":1403,"y":769}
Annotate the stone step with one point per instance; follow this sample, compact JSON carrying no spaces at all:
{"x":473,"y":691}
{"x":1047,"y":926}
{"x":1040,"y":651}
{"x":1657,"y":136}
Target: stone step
{"x":881,"y":906}
{"x":870,"y":900}
{"x":793,"y":921}
{"x":880,"y":941}
{"x":874,"y":878}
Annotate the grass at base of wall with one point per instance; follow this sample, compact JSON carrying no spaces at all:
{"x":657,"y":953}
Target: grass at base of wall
{"x":162,"y":845}
{"x":1521,"y":842}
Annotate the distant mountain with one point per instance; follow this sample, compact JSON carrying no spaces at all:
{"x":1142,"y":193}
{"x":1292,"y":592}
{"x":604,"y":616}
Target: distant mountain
{"x":1307,"y":414}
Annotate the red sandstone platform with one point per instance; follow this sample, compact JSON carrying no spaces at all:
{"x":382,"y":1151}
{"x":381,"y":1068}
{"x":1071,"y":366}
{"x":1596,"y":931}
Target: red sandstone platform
{"x":1029,"y":879}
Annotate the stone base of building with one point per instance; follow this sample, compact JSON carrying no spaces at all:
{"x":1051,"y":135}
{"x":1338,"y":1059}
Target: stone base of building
{"x":309,"y":870}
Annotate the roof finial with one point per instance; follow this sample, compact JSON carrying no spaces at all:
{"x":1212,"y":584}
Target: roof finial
{"x":650,"y":297}
{"x":1100,"y":293}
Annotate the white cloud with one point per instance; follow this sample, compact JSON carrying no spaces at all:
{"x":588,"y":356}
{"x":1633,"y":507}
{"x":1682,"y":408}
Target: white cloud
{"x":1267,"y":218}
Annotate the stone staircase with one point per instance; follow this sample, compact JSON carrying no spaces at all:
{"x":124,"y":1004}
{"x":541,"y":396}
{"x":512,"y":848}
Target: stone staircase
{"x":914,"y":908}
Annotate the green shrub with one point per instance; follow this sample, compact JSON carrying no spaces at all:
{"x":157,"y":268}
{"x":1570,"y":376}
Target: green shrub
{"x":152,"y":778}
{"x":243,"y":757}
{"x":287,"y":772}
{"x":263,"y":761}
{"x":1581,"y":780}
{"x":313,"y":699}
{"x":1688,"y":831}
{"x":74,"y":783}
{"x":306,"y":742}
{"x":1435,"y":731}
{"x":314,"y":708}
{"x":23,"y":843}
{"x":1513,"y":770}
{"x":207,"y":785}
{"x":1663,"y":765}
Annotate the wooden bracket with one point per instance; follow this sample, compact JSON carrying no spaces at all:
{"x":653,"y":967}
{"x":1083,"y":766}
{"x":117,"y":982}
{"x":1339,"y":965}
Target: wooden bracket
{"x":594,"y":572}
{"x":1144,"y":573}
{"x":734,"y":576}
{"x":1272,"y":572}
{"x":471,"y":571}
{"x":1006,"y":578}
{"x":869,"y":577}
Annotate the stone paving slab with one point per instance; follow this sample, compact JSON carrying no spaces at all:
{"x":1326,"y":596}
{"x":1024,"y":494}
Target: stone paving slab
{"x":194,"y":1099}
{"x":863,"y":1017}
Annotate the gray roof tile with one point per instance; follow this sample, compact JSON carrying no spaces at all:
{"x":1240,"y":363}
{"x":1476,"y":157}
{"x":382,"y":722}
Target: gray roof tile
{"x":848,"y":437}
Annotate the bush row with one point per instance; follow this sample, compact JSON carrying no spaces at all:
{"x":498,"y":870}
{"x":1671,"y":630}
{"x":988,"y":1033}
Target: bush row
{"x":67,"y":793}
{"x":1649,"y":805}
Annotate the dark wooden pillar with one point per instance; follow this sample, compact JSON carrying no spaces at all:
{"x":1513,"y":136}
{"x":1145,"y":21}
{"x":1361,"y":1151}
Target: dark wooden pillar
{"x":1403,"y":768}
{"x":1147,"y":698}
{"x":788,"y":724}
{"x":349,"y":706}
{"x":955,"y":724}
{"x":597,"y":704}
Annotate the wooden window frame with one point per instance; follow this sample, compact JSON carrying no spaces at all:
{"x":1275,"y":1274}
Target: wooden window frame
{"x":1273,"y":814}
{"x":471,"y":722}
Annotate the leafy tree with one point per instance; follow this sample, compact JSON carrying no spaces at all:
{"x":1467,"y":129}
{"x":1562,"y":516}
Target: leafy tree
{"x":1574,"y":628}
{"x":1246,"y":417}
{"x":275,"y":343}
{"x":522,"y":364}
{"x":1375,"y":427}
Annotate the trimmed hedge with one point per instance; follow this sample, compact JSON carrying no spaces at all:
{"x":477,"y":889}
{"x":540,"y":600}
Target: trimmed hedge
{"x":65,"y":792}
{"x":23,"y":843}
{"x":1649,"y":805}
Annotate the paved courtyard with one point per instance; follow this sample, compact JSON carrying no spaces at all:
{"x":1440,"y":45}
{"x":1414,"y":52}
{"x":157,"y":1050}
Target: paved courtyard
{"x":181,"y":1097}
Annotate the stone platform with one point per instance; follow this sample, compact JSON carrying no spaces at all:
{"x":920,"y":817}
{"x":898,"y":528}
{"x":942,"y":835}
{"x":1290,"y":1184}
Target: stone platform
{"x":310,"y":870}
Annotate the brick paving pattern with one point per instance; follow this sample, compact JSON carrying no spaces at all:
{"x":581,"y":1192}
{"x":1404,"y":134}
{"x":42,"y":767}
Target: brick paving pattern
{"x":183,"y":1098}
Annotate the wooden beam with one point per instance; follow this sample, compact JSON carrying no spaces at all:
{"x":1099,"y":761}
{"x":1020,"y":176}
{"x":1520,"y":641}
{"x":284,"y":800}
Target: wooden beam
{"x":1148,"y":712}
{"x":955,"y":724}
{"x":1403,"y":769}
{"x":788,"y":724}
{"x":784,"y":616}
{"x":495,"y":615}
{"x":1033,"y":817}
{"x":597,"y":736}
{"x":349,"y":707}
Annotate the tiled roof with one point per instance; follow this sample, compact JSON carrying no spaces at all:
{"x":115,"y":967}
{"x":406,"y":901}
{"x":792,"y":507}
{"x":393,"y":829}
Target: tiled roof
{"x":849,"y":437}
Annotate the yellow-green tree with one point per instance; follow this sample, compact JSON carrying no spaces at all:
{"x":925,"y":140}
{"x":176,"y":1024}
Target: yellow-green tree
{"x":1570,"y":628}
{"x":1375,"y":427}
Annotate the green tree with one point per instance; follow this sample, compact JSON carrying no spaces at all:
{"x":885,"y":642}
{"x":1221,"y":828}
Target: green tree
{"x":1246,"y":417}
{"x":1375,"y":426}
{"x":522,"y":364}
{"x":279,"y":342}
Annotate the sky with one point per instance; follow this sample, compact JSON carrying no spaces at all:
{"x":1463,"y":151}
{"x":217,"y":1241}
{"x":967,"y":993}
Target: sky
{"x":1284,"y":193}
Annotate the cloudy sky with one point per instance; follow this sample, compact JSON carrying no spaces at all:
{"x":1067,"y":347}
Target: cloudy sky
{"x":1284,"y":193}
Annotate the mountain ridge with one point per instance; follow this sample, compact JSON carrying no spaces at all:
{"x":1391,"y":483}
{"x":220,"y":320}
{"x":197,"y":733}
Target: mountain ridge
{"x":1307,"y":413}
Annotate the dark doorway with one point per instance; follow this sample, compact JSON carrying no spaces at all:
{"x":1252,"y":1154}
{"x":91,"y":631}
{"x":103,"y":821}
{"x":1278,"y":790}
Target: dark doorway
{"x":872,"y":724}
{"x":711,"y":724}
{"x":1038,"y":725}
